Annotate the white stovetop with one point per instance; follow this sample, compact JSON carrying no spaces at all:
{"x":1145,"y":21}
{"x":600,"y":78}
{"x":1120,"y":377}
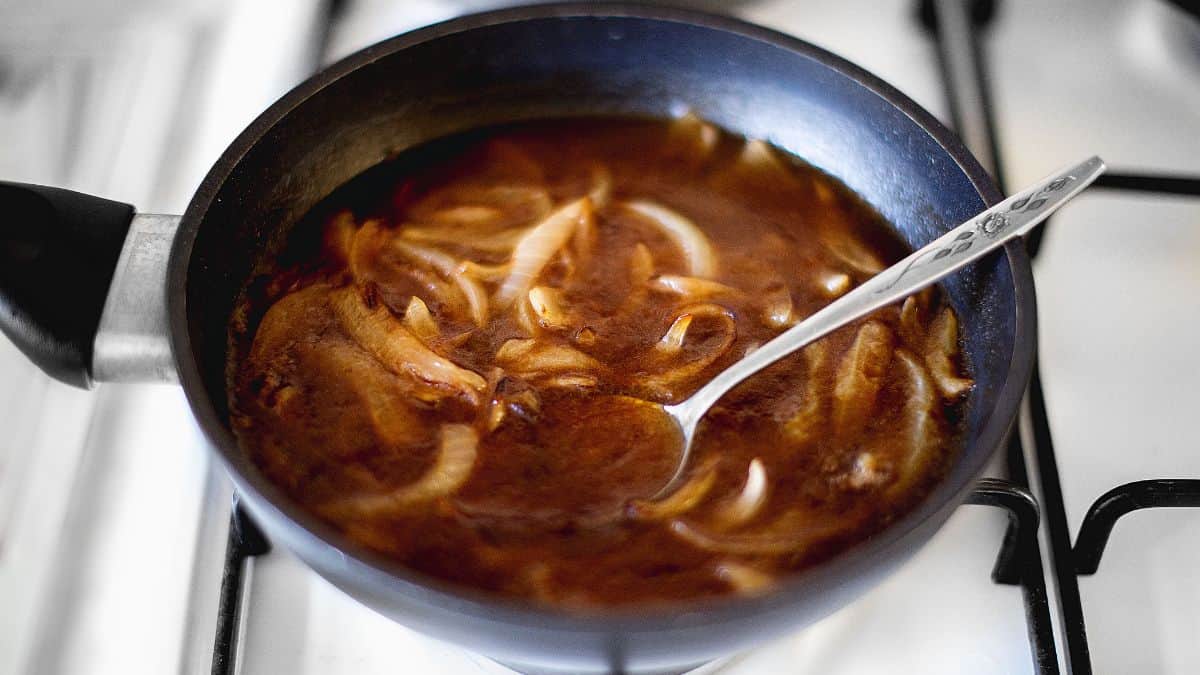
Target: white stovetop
{"x":112,"y":527}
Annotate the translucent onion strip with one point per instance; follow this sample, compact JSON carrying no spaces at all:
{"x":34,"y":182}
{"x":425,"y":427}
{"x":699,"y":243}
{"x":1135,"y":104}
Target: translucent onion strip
{"x":672,"y":341}
{"x":469,"y":215}
{"x":530,"y":357}
{"x":790,"y":533}
{"x":538,"y":246}
{"x":744,"y":579}
{"x":420,"y":323}
{"x":693,"y":137}
{"x":834,"y":284}
{"x":749,"y":501}
{"x":920,"y":430}
{"x":455,"y":460}
{"x":702,"y":261}
{"x":484,"y":272}
{"x":942,"y":347}
{"x":661,"y":384}
{"x":683,"y":499}
{"x":339,"y":238}
{"x":910,"y":322}
{"x":804,"y":426}
{"x":641,"y":269}
{"x":854,"y":254}
{"x":387,"y":404}
{"x":378,"y":332}
{"x":778,"y":312}
{"x":867,"y":471}
{"x":860,"y":376}
{"x":601,"y":190}
{"x":691,"y":288}
{"x":547,"y":305}
{"x":445,"y":265}
{"x":758,"y":156}
{"x":501,"y":241}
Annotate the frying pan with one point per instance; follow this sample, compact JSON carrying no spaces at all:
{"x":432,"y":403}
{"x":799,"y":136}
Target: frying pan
{"x":62,"y":305}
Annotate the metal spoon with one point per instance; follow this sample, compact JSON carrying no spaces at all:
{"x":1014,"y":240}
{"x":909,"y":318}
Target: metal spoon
{"x":966,"y":243}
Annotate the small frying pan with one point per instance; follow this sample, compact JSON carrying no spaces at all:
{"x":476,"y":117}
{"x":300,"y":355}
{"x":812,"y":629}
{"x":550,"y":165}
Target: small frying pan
{"x":61,"y":303}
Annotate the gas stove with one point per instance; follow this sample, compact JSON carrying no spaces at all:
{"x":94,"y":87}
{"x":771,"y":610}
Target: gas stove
{"x":122,"y":548}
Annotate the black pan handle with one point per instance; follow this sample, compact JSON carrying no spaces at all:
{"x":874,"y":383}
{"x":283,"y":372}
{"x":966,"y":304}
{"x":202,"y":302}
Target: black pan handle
{"x":58,"y":251}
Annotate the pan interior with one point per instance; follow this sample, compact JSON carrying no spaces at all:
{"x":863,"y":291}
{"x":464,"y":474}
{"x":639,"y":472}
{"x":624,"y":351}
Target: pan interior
{"x":392,"y":99}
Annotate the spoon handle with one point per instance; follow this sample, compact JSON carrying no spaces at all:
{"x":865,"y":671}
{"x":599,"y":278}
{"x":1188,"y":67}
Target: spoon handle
{"x":966,"y":243}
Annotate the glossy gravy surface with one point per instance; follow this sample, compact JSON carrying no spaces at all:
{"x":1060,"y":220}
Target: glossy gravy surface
{"x":456,"y":357}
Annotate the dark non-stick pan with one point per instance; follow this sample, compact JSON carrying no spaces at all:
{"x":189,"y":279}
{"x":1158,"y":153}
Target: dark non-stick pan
{"x":63,"y":306}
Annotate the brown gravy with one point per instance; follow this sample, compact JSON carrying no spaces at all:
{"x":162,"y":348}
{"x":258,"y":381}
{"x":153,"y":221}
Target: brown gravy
{"x":443,"y":362}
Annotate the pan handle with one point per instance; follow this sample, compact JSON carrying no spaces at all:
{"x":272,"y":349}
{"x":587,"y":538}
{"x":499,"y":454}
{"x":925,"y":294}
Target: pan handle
{"x":133,"y":342}
{"x":58,"y":251}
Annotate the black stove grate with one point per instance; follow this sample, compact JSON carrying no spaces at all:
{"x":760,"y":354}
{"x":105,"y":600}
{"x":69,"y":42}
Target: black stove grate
{"x":957,"y":27}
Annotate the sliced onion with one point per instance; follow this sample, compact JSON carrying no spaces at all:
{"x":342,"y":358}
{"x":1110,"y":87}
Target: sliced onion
{"x":702,"y":261}
{"x":464,"y":204}
{"x":571,"y":381}
{"x":793,"y":531}
{"x":910,"y":322}
{"x":546,"y":304}
{"x":471,"y":215}
{"x":641,"y":265}
{"x":538,"y":246}
{"x":366,"y":240}
{"x":824,"y":193}
{"x":867,"y":472}
{"x":850,"y":251}
{"x":378,"y":332}
{"x":805,"y":425}
{"x":585,"y":336}
{"x":691,"y":288}
{"x":744,"y":579}
{"x":515,"y":348}
{"x":501,"y":241}
{"x":942,"y":348}
{"x":694,"y":138}
{"x":484,"y":272}
{"x":339,"y":235}
{"x":778,"y":312}
{"x":834,"y":284}
{"x":641,"y":268}
{"x":920,"y":428}
{"x":859,"y":379}
{"x":455,"y":460}
{"x":476,"y":297}
{"x":524,"y":316}
{"x":757,"y":155}
{"x":749,"y":501}
{"x":662,"y":384}
{"x":672,"y":341}
{"x":277,"y":330}
{"x":495,"y":409}
{"x":449,"y":268}
{"x":385,"y":401}
{"x":686,"y":497}
{"x":420,"y":323}
{"x":601,"y":189}
{"x":531,"y":357}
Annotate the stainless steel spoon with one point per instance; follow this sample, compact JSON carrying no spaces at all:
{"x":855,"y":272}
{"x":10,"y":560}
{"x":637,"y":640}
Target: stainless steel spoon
{"x":966,"y":243}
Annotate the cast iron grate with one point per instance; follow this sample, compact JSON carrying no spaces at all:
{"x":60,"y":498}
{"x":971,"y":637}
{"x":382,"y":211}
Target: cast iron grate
{"x":957,"y":27}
